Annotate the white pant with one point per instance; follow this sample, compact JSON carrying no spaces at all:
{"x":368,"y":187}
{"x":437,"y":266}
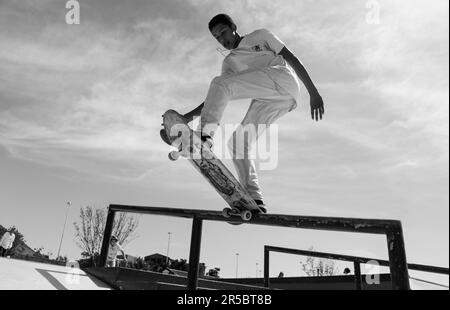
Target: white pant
{"x":273,"y":91}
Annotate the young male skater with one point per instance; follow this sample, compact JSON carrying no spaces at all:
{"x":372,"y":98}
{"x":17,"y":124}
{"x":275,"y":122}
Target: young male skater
{"x":261,"y":68}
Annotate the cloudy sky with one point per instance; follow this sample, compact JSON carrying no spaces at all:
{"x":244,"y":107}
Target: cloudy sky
{"x":81,"y":106}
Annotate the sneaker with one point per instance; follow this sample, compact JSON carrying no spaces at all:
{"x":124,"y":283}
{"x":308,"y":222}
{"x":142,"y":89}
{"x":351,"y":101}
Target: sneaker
{"x":208,"y":141}
{"x":164,"y":136}
{"x":261,"y":205}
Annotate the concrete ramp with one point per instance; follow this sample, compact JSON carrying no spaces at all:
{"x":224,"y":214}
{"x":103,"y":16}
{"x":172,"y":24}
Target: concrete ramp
{"x":133,"y":279}
{"x":27,"y":275}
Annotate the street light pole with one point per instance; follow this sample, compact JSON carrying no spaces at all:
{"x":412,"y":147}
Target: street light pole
{"x":237,"y":264}
{"x":168,"y":247}
{"x":64,"y":228}
{"x":256,"y":270}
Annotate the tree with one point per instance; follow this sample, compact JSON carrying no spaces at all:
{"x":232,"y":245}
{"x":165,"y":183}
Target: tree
{"x":89,"y":232}
{"x":39,"y":252}
{"x":316,"y":267}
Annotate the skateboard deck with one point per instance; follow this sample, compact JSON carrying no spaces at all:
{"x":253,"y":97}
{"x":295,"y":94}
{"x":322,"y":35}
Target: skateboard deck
{"x":176,"y":132}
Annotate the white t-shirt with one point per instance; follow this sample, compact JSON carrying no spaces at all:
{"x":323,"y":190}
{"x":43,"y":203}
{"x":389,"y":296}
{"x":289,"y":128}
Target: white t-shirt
{"x":260,"y":49}
{"x":256,"y":50}
{"x":113,"y":250}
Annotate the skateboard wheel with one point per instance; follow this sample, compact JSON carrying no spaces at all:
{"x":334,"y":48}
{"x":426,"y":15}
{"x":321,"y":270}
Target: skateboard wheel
{"x":174,"y":155}
{"x":226,"y":213}
{"x":246,"y":215}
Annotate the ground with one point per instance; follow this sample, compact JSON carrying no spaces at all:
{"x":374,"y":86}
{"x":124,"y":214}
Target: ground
{"x":26,"y":275}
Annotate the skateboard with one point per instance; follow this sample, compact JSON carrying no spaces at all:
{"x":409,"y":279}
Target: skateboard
{"x":176,"y":132}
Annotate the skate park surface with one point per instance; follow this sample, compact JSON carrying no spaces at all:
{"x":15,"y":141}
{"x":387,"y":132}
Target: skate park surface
{"x":27,"y":275}
{"x":18,"y":274}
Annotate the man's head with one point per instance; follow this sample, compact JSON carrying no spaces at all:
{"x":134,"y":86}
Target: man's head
{"x":224,"y":29}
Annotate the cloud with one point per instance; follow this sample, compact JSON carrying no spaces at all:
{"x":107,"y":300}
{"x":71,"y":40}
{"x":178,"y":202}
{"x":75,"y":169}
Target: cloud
{"x":72,"y":90}
{"x":90,"y":97}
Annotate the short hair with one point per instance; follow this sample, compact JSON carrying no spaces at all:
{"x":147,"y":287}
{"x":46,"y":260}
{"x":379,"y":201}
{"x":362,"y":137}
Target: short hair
{"x":220,"y":19}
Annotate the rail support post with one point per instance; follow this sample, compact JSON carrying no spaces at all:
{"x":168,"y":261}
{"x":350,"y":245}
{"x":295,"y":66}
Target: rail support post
{"x":266,"y":267}
{"x":194,"y":255}
{"x":106,"y":237}
{"x":397,"y":258}
{"x":357,"y":268}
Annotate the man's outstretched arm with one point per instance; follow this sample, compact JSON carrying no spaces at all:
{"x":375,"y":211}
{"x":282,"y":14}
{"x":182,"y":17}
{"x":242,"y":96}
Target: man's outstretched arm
{"x":316,"y":102}
{"x":196,"y":112}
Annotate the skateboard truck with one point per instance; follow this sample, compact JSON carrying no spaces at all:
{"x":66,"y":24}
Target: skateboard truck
{"x":246,"y":215}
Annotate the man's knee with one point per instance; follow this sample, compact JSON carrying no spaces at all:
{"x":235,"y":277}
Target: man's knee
{"x":222,"y":83}
{"x":219,"y":80}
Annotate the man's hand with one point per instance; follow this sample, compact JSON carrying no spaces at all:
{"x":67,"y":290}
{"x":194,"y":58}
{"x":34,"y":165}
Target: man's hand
{"x":317,"y":109}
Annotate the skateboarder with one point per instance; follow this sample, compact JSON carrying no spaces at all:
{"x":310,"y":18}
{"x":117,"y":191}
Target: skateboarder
{"x":259,"y":67}
{"x":114,"y":248}
{"x":6,"y":242}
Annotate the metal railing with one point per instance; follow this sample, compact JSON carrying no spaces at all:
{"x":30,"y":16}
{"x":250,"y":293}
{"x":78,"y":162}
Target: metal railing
{"x":391,"y":228}
{"x":357,"y":261}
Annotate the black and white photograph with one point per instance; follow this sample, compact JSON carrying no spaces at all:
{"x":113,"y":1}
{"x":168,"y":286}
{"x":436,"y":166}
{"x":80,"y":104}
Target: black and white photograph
{"x":242,"y":147}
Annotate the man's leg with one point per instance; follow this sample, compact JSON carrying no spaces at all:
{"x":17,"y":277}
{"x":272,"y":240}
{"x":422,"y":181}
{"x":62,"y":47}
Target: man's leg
{"x":110,"y":263}
{"x":249,"y":84}
{"x":2,"y":251}
{"x":261,"y":112}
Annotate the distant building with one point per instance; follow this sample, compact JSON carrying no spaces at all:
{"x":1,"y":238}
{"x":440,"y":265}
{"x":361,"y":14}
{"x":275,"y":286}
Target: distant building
{"x":157,"y":259}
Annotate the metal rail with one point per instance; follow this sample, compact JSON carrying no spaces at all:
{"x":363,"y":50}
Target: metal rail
{"x":391,"y":228}
{"x":357,"y":261}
